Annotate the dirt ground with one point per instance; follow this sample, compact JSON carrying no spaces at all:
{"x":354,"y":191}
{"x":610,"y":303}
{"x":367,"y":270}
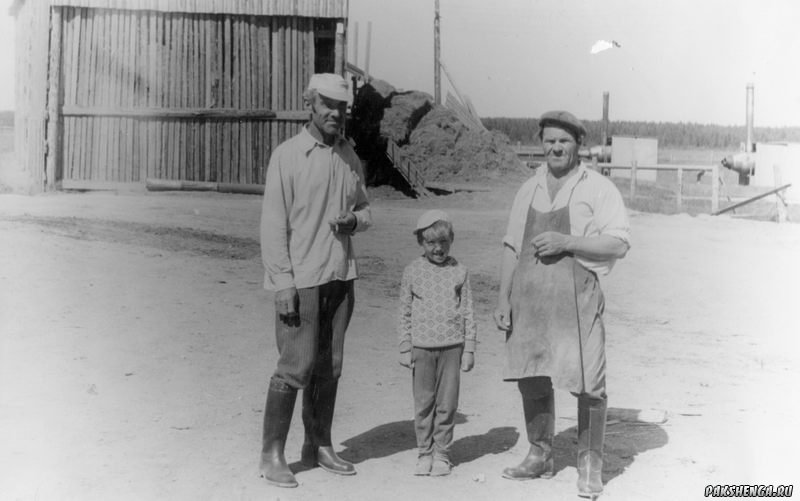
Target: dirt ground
{"x":137,"y":345}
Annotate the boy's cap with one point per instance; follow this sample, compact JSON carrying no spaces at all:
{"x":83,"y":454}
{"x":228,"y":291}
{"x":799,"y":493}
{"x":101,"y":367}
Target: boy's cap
{"x":329,"y":85}
{"x":430,"y":217}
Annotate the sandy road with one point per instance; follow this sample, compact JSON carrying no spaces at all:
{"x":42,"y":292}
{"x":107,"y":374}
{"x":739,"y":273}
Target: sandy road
{"x":136,"y":349}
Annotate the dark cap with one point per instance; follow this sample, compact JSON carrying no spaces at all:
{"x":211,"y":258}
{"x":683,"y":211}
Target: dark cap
{"x":564,"y":120}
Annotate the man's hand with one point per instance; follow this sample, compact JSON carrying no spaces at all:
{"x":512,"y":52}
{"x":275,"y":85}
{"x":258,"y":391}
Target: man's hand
{"x":405,"y":360}
{"x":467,"y":361}
{"x":502,"y":315}
{"x":550,"y":243}
{"x":345,"y":224}
{"x":287,"y":304}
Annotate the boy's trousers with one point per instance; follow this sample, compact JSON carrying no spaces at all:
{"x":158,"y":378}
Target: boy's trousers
{"x":316,"y":345}
{"x":437,"y":376}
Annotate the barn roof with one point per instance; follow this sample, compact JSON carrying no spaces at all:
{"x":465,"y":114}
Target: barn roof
{"x":301,"y":8}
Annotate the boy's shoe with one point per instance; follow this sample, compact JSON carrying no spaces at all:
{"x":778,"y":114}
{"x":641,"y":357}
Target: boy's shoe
{"x":424,"y":463}
{"x":441,"y":467}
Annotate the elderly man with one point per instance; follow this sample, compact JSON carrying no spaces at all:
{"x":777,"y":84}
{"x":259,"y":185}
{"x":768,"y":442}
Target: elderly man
{"x":568,"y":224}
{"x":314,"y":201}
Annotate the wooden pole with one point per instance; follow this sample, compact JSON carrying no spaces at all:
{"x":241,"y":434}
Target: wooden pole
{"x":339,"y":47}
{"x":633,"y":181}
{"x":714,"y":188}
{"x":680,"y":189}
{"x":752,"y":199}
{"x":437,"y":77}
{"x":605,"y":120}
{"x":780,"y":202}
{"x":366,"y":56}
{"x":355,"y":44}
{"x":54,"y":124}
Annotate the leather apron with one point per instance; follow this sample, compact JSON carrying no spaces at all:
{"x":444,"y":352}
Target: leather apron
{"x":556,"y":313}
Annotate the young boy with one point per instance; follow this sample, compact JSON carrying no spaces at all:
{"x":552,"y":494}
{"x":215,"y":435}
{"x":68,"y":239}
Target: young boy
{"x":437,"y":338}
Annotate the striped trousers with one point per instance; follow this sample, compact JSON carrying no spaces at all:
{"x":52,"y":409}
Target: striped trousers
{"x":315,"y":346}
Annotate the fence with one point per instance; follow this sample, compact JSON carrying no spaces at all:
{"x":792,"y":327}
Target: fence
{"x":679,"y":169}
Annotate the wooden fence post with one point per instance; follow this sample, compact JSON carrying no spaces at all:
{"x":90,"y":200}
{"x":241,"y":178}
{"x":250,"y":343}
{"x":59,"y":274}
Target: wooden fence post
{"x":53,"y":101}
{"x":714,"y":188}
{"x":633,"y":181}
{"x":680,"y":189}
{"x":780,"y":202}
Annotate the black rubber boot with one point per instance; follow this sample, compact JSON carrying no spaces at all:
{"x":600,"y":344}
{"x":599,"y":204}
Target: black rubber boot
{"x":277,"y":418}
{"x":539,"y":424}
{"x":591,"y":434}
{"x":319,"y":400}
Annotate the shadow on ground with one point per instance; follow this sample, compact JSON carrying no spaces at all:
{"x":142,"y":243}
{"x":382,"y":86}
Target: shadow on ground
{"x":390,"y":438}
{"x":627,"y":435}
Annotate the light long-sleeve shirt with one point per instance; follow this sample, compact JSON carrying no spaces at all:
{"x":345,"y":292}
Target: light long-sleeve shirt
{"x":596,"y":208}
{"x":436,"y":306}
{"x":309,"y":183}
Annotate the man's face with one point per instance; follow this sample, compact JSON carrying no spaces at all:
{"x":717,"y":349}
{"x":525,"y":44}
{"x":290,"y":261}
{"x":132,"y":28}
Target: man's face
{"x":560,"y":150}
{"x":327,"y":115}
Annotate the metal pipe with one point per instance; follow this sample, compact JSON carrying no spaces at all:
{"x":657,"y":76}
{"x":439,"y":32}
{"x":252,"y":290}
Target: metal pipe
{"x":437,"y":77}
{"x":749,"y":145}
{"x":605,"y":119}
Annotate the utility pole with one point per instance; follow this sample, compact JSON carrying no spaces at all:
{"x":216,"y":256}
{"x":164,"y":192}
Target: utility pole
{"x":437,"y":79}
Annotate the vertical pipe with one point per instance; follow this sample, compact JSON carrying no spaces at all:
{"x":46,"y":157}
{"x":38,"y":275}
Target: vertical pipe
{"x":605,"y":119}
{"x":714,"y":188}
{"x":749,"y":146}
{"x":355,"y":45}
{"x":437,"y":79}
{"x":369,"y":41}
{"x":339,"y":50}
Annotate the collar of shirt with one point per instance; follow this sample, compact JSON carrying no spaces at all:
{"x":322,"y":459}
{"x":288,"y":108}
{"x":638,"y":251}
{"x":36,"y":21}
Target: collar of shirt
{"x":541,"y":184}
{"x":310,"y":142}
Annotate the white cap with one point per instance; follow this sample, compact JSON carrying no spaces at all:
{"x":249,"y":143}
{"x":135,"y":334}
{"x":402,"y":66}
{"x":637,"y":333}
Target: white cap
{"x":329,"y":85}
{"x":430,"y":217}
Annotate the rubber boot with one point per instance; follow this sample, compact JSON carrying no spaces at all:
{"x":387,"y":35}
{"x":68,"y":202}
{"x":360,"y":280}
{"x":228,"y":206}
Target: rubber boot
{"x":277,"y":418}
{"x":319,"y":400}
{"x":591,"y":434}
{"x":539,"y":415}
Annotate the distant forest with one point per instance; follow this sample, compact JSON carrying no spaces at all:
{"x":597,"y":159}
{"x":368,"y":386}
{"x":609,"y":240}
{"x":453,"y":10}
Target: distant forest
{"x":669,"y":134}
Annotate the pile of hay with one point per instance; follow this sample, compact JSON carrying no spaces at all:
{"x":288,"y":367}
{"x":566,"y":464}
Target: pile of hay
{"x":442,"y":147}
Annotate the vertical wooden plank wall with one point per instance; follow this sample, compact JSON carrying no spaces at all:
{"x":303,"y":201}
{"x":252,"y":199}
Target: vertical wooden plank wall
{"x":31,"y":60}
{"x":116,"y":62}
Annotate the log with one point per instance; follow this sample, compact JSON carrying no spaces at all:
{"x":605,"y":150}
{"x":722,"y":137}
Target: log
{"x":177,"y":185}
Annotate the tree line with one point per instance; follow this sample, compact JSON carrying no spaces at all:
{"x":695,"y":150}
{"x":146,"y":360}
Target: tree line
{"x":669,"y":134}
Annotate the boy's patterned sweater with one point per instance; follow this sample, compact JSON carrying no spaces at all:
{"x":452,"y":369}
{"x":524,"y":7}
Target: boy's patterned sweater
{"x":436,"y":306}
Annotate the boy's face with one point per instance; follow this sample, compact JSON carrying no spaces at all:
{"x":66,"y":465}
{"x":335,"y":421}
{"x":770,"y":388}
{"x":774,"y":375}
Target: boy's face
{"x":436,"y":249}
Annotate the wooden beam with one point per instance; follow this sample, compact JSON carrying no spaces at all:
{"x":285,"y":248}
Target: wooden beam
{"x":54,"y":122}
{"x":217,"y":113}
{"x":751,"y":200}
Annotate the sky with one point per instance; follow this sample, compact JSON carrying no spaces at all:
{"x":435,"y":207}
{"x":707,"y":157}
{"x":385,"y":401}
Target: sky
{"x":678,"y":60}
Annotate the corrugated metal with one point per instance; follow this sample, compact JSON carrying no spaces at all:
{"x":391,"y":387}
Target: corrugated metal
{"x":303,"y":8}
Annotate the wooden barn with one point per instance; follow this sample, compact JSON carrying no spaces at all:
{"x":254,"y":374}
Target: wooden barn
{"x":120,"y":91}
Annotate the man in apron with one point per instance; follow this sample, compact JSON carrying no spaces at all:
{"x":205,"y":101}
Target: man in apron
{"x":567,"y":226}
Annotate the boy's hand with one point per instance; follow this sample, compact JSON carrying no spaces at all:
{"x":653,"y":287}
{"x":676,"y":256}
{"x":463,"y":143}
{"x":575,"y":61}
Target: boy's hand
{"x":467,"y":361}
{"x":502,"y":315}
{"x":405,"y":360}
